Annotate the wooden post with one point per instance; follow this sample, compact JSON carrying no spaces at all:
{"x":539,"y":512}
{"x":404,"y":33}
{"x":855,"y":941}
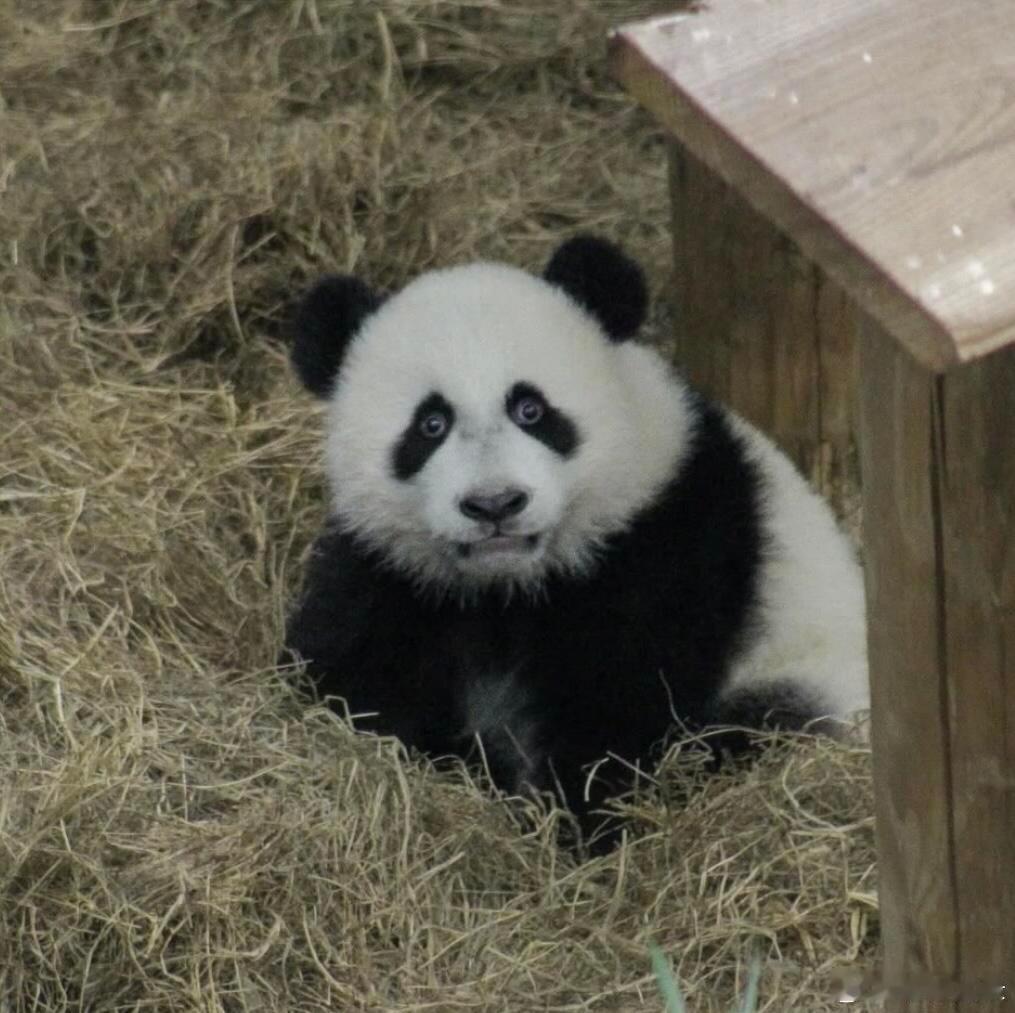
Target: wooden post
{"x":762,"y":329}
{"x":939,"y":490}
{"x":879,"y":135}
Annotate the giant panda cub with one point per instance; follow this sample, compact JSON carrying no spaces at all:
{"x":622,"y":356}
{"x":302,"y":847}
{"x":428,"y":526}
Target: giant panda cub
{"x":545,"y":552}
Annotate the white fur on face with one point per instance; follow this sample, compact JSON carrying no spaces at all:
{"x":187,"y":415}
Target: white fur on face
{"x":470,"y":334}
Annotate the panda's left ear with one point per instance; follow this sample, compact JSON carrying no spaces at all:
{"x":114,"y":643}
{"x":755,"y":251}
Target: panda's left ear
{"x":327,"y":318}
{"x":602,"y":279}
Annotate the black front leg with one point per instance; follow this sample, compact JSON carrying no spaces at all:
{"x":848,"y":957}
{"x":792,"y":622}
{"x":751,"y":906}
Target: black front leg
{"x":366,"y":640}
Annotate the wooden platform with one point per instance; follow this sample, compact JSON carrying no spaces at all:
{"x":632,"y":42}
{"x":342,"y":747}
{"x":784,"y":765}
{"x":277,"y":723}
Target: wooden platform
{"x":880,"y":134}
{"x":862,"y":152}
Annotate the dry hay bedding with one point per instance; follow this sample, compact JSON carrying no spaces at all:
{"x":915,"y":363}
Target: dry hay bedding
{"x":177,"y":830}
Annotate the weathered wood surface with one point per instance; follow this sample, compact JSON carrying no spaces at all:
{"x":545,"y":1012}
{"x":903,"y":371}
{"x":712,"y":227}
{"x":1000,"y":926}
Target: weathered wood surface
{"x":939,"y":490}
{"x":879,"y":134}
{"x":762,"y":329}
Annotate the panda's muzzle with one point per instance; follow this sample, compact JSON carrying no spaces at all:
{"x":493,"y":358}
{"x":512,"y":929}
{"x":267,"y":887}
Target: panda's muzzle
{"x":492,"y":512}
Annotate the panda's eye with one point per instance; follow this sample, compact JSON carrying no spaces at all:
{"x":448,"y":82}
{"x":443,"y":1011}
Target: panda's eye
{"x":527,"y":411}
{"x":434,"y":425}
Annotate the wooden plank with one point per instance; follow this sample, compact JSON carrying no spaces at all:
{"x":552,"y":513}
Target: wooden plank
{"x":762,"y":329}
{"x":909,"y":735}
{"x":939,"y":487}
{"x":978,"y":561}
{"x":878,"y":134}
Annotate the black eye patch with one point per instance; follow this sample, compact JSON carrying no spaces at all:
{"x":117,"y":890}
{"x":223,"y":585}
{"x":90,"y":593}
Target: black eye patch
{"x":422,"y":436}
{"x":553,"y":428}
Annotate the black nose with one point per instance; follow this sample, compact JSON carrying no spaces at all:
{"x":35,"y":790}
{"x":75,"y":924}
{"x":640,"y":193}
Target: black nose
{"x":494,"y":508}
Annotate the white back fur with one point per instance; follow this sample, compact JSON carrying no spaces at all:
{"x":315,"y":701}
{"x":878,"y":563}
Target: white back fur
{"x":812,"y":605}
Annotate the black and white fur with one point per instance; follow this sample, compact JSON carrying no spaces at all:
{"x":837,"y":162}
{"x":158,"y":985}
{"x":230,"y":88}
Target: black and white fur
{"x":544,"y":549}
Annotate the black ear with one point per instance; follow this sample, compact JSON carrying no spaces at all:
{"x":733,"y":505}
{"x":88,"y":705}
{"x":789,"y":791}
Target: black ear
{"x":600,"y":277}
{"x":327,"y":318}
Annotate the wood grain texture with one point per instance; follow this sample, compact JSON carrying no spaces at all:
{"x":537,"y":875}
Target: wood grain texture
{"x":878,"y":134}
{"x":939,"y":489}
{"x":977,"y":478}
{"x":762,"y":329}
{"x":909,"y":730}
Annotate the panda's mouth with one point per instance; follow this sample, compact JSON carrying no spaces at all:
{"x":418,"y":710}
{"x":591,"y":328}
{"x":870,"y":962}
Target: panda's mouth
{"x":498,"y":544}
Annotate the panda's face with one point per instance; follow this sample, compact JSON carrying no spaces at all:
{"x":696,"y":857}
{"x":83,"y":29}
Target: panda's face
{"x":483,"y":429}
{"x":486,"y":426}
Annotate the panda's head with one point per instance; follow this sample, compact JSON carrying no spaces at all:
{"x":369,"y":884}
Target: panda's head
{"x":487,"y":426}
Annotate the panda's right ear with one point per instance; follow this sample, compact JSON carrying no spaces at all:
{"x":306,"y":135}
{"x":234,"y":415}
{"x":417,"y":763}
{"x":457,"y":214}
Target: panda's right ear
{"x":326,"y":320}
